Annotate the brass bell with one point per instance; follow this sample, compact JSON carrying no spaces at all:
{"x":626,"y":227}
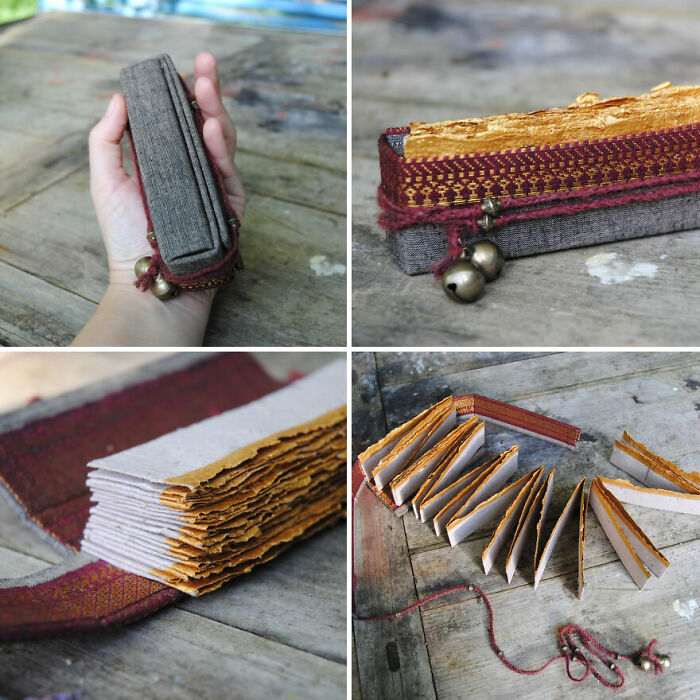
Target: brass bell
{"x":487,"y":257}
{"x":491,"y":206}
{"x":644,"y":662}
{"x":142,"y":265}
{"x":163,"y":289}
{"x":486,"y":222}
{"x":463,"y":281}
{"x":665,"y":661}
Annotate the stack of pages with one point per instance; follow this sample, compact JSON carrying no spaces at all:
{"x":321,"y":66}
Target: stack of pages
{"x":208,"y":502}
{"x":427,"y":461}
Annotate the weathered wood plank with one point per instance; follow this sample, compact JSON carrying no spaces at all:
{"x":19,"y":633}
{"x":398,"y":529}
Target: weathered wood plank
{"x":27,"y":376}
{"x":14,"y":563}
{"x":174,"y":654}
{"x":283,"y":602}
{"x":495,"y":58}
{"x":392,"y":657}
{"x":280,"y":237}
{"x":529,"y":380}
{"x":35,"y":312}
{"x":526,"y":623}
{"x":368,"y":423}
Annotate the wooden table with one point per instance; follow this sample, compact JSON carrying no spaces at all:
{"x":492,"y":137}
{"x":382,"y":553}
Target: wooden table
{"x":278,"y":632}
{"x":286,"y":92}
{"x":443,"y":650}
{"x":451,"y":60}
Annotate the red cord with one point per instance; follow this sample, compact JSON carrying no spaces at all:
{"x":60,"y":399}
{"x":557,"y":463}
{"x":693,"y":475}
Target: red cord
{"x":577,"y":644}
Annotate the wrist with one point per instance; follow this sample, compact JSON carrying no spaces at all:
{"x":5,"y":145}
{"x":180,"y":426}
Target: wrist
{"x":127,"y":316}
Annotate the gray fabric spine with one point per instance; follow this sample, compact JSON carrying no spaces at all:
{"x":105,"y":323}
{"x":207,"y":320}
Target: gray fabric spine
{"x":419,"y":247}
{"x":188,"y":220}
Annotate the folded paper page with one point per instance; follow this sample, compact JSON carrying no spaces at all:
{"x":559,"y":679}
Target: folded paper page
{"x":651,"y":469}
{"x":421,"y":438}
{"x":370,"y":458}
{"x":406,"y":483}
{"x":526,"y":523}
{"x":504,"y":467}
{"x":624,"y":535}
{"x":449,"y":469}
{"x":659,"y":499}
{"x":437,"y":502}
{"x":583,"y":513}
{"x":545,"y":553}
{"x":508,"y":522}
{"x":643,"y":546}
{"x":459,"y":529}
{"x":460,"y":492}
{"x":198,"y":506}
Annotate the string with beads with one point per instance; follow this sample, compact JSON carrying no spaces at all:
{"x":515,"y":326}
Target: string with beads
{"x":576,"y":644}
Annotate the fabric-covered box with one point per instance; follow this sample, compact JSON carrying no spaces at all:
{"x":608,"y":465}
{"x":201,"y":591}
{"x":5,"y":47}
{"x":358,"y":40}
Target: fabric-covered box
{"x":550,"y":196}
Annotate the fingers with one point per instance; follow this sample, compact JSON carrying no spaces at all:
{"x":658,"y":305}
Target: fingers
{"x":216,"y":144}
{"x":105,"y":152}
{"x":209,"y":102}
{"x":205,"y":67}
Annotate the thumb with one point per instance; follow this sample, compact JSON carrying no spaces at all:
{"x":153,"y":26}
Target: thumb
{"x":105,"y":152}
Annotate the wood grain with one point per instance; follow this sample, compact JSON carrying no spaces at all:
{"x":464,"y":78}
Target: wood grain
{"x":656,"y":397}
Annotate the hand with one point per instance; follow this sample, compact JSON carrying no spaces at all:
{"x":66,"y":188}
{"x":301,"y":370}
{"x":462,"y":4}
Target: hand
{"x":121,"y":215}
{"x":115,"y":193}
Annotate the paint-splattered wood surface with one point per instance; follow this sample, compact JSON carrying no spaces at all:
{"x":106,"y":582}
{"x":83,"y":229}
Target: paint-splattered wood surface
{"x":277,"y":632}
{"x":452,"y":60}
{"x":286,"y":92}
{"x":443,"y":650}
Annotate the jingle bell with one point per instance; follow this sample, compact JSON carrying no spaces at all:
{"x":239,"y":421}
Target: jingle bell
{"x":463,"y":281}
{"x":665,"y":661}
{"x":142,"y":265}
{"x":487,"y":257}
{"x":644,"y":662}
{"x":163,"y":289}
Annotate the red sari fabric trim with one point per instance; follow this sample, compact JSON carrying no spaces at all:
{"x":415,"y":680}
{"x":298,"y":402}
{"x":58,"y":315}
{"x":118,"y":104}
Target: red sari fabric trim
{"x":43,"y":465}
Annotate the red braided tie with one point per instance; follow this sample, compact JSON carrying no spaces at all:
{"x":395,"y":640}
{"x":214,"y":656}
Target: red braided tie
{"x":577,"y":644}
{"x":457,"y":219}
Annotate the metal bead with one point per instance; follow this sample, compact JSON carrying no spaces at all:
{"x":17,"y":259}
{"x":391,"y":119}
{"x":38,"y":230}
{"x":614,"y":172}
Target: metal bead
{"x":142,"y":265}
{"x":486,"y":222}
{"x":665,"y":661}
{"x":500,"y":654}
{"x":463,"y":281}
{"x":644,"y":662}
{"x":151,"y":236}
{"x":470,"y":587}
{"x":612,"y":667}
{"x":163,"y":289}
{"x":491,"y":206}
{"x":487,"y":256}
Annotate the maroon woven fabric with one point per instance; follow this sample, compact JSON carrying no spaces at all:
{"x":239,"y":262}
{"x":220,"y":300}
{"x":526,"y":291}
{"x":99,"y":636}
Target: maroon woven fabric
{"x":43,"y":465}
{"x":530,"y":171}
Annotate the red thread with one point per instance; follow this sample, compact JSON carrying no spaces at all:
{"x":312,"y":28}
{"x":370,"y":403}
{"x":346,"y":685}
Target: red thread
{"x":577,"y":644}
{"x":642,"y":196}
